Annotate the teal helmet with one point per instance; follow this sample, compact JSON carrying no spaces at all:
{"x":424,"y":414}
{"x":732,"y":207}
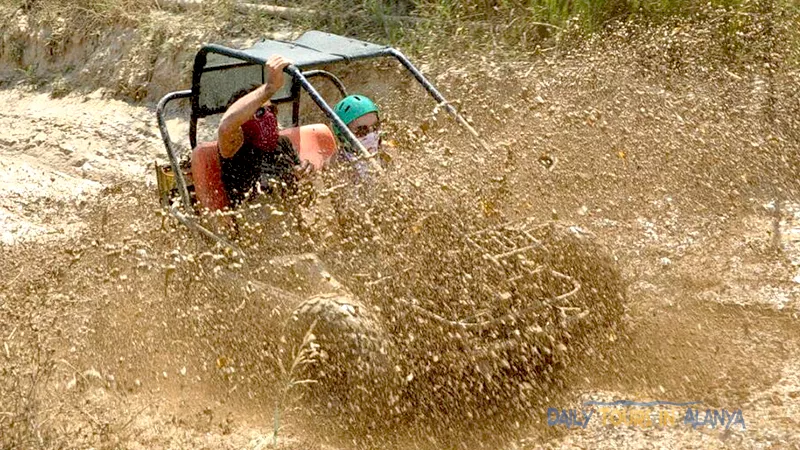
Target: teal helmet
{"x":351,"y":108}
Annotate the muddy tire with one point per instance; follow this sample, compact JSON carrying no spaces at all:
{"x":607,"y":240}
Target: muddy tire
{"x":353,"y":368}
{"x":599,"y":304}
{"x":550,"y":340}
{"x":577,"y":253}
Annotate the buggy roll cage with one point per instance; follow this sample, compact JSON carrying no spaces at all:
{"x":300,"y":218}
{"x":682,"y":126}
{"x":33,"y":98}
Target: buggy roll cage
{"x":220,"y":71}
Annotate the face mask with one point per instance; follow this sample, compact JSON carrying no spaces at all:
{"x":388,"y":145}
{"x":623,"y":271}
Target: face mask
{"x":371,"y":142}
{"x":262,"y":131}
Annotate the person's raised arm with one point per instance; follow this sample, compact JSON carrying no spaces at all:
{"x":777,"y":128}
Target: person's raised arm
{"x":229,"y":133}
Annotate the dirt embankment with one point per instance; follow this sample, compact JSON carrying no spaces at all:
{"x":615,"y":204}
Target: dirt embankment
{"x":119,"y":331}
{"x":139,"y":60}
{"x":91,"y":138}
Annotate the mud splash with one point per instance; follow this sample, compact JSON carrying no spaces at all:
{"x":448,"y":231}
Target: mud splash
{"x":122,"y":324}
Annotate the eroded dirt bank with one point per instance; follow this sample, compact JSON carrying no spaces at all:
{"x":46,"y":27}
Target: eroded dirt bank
{"x":119,"y":331}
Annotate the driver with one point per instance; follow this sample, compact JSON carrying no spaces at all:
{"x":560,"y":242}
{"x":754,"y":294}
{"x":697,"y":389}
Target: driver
{"x":249,"y":145}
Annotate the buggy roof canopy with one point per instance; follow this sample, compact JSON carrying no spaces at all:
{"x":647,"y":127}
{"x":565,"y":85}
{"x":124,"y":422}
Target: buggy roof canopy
{"x":220,"y":72}
{"x":313,"y":48}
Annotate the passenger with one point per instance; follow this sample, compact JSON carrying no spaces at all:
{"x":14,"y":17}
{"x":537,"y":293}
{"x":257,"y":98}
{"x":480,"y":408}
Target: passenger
{"x":361,"y":116}
{"x":352,"y":210}
{"x":250,"y":148}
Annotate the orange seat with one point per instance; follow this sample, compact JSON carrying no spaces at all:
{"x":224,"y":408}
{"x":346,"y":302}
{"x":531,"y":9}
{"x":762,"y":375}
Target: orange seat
{"x":314,"y":143}
{"x":207,"y":177}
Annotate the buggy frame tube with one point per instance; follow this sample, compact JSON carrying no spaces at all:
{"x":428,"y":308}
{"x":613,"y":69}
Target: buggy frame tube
{"x":388,"y":51}
{"x":225,"y":51}
{"x":193,"y":130}
{"x":299,"y":77}
{"x":190,"y":223}
{"x":331,"y":77}
{"x":295,"y":92}
{"x":173,"y":158}
{"x":397,"y":54}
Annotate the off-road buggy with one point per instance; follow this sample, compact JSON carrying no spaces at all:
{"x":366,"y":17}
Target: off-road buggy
{"x":459,"y":311}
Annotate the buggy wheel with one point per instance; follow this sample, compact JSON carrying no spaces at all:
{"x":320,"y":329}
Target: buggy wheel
{"x":583,"y":296}
{"x":352,"y":367}
{"x":601,"y":297}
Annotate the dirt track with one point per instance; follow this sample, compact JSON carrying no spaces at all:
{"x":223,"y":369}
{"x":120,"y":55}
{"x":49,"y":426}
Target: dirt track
{"x":96,"y":354}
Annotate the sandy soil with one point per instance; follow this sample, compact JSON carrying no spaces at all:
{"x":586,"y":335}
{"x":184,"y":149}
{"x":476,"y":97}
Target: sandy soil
{"x":58,"y":155}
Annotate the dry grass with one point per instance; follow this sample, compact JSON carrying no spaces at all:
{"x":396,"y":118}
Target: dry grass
{"x":525,"y":24}
{"x":303,"y":355}
{"x":82,"y":14}
{"x":85,"y":11}
{"x":510,"y":23}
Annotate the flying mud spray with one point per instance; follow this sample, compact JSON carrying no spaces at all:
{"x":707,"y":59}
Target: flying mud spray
{"x":628,"y":235}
